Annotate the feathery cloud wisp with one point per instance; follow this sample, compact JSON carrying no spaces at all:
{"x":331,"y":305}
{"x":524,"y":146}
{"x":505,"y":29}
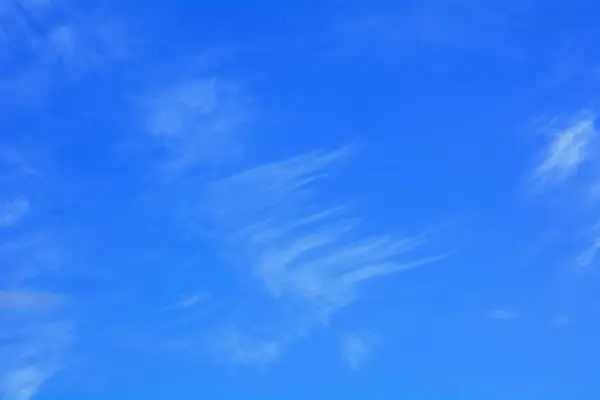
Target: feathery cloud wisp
{"x":28,"y":257}
{"x":35,"y":331}
{"x":573,"y":156}
{"x":190,"y":301}
{"x":235,"y":346}
{"x":299,"y":251}
{"x":198,"y":121}
{"x":571,"y":147}
{"x":355,"y":349}
{"x":587,"y":257}
{"x":29,"y":300}
{"x":306,"y":257}
{"x":13,"y":211}
{"x":30,"y":354}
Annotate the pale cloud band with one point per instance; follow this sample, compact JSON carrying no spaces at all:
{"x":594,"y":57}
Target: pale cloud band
{"x":34,"y":353}
{"x":299,"y":250}
{"x":306,"y":256}
{"x":26,"y":300}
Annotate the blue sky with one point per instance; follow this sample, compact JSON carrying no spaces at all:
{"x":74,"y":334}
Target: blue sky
{"x":353,"y":200}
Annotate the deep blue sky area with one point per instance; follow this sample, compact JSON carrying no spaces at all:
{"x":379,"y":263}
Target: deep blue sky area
{"x":325,"y":200}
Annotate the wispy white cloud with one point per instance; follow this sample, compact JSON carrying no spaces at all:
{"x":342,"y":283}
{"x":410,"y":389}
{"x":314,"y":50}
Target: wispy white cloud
{"x":235,"y":346}
{"x":14,"y":166}
{"x":24,"y":300}
{"x":30,"y":354}
{"x":503,"y":314}
{"x":572,"y":146}
{"x":572,"y":157}
{"x":193,"y":300}
{"x":305,"y":256}
{"x":13,"y":211}
{"x":43,"y":43}
{"x":588,"y":256}
{"x":355,"y":349}
{"x":198,"y":121}
{"x":35,"y":330}
{"x":27,"y":257}
{"x":190,"y":301}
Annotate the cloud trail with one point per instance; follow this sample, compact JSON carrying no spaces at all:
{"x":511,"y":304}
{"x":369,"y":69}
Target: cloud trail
{"x":310,"y":257}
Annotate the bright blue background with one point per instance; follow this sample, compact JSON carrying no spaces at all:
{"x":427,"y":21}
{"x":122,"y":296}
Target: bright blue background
{"x":447,"y":104}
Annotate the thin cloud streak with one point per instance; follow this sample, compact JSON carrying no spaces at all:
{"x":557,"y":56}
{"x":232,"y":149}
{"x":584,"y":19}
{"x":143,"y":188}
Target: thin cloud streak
{"x":45,"y":43}
{"x":570,"y":149}
{"x":11,"y":212}
{"x":303,"y":255}
{"x":30,"y":354}
{"x":28,"y":257}
{"x":588,"y":256}
{"x":300,"y":251}
{"x":235,"y":346}
{"x":191,"y":301}
{"x":35,"y":328}
{"x":572,"y":157}
{"x":23,"y":300}
{"x":35,"y":332}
